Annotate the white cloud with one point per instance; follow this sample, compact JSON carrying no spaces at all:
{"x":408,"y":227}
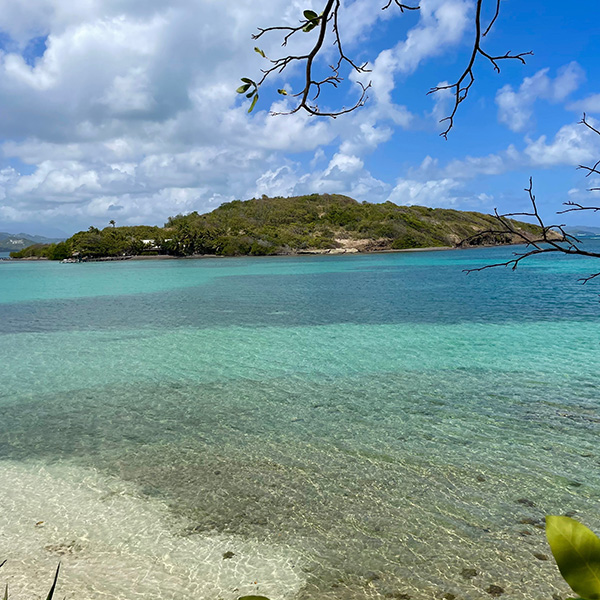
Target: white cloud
{"x":434,"y":193}
{"x":442,"y":24}
{"x":131,"y":111}
{"x":515,"y":108}
{"x":573,"y":144}
{"x":591,"y":104}
{"x":344,"y":174}
{"x":133,"y":101}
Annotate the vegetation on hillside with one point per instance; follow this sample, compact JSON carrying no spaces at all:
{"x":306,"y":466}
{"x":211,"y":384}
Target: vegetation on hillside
{"x":268,"y":226}
{"x":13,"y":243}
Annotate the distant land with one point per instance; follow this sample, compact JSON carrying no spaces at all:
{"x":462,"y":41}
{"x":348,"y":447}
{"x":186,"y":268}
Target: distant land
{"x":10,"y":242}
{"x":583,"y":231}
{"x":314,"y":224}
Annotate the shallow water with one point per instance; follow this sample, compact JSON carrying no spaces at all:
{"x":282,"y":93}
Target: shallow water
{"x":348,"y":427}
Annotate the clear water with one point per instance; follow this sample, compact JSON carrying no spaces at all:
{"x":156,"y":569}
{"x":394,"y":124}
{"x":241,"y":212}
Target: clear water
{"x":348,"y":427}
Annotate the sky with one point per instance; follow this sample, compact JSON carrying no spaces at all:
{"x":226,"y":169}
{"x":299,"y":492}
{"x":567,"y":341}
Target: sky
{"x":126,"y":110}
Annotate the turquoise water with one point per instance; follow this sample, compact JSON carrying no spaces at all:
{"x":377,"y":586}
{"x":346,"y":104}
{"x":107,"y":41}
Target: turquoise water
{"x":347,"y":426}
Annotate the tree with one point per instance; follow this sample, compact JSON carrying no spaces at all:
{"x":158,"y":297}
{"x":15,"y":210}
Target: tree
{"x":326,"y":26}
{"x":113,"y":223}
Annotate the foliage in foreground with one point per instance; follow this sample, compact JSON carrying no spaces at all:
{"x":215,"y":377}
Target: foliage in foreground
{"x":268,"y":226}
{"x":576,"y":550}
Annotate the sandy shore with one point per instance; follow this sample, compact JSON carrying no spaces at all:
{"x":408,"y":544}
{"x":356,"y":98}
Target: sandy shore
{"x":295,"y":254}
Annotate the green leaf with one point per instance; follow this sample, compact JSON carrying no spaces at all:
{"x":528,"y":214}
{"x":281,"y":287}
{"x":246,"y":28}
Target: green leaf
{"x":246,"y":80}
{"x":577,"y":552}
{"x":309,"y":15}
{"x":243,"y":88}
{"x":309,"y":27}
{"x":282,"y":92}
{"x":51,"y":592}
{"x":253,"y":103}
{"x":257,"y":49}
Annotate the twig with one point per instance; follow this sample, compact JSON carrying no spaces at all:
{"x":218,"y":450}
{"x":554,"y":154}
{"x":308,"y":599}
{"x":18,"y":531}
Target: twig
{"x":547,"y":238}
{"x":467,"y":79}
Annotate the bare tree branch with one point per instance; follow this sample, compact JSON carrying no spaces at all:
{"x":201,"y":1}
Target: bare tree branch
{"x":575,"y":207}
{"x":464,"y":83}
{"x":489,"y":27}
{"x":401,"y":6}
{"x":545,"y":239}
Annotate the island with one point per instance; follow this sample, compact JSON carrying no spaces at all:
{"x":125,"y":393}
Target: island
{"x":312,"y":224}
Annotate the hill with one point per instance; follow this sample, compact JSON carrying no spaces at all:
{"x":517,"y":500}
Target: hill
{"x":301,"y":224}
{"x":10,"y":242}
{"x":326,"y":222}
{"x":583,"y":231}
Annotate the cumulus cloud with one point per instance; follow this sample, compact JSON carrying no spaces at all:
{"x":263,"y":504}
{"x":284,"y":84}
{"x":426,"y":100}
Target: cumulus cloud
{"x":130,"y":107}
{"x":515,"y":107}
{"x":434,"y":193}
{"x":572,"y":145}
{"x":442,"y":24}
{"x":591,"y":104}
{"x":129,"y":111}
{"x":344,"y":174}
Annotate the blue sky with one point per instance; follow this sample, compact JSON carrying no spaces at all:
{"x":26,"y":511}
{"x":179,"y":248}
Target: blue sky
{"x":127,"y":110}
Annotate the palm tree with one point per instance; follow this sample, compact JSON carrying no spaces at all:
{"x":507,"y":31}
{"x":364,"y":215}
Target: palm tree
{"x":112,"y":222}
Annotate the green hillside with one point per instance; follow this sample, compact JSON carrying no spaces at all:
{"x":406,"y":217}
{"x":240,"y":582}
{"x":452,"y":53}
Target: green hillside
{"x":11,"y":243}
{"x":267,"y":226}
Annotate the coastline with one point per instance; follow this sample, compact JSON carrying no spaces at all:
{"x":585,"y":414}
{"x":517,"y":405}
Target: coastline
{"x":315,"y":252}
{"x":328,"y":252}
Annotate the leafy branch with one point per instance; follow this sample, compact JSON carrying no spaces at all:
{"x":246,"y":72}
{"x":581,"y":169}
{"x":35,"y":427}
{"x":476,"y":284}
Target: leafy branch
{"x":327,"y":24}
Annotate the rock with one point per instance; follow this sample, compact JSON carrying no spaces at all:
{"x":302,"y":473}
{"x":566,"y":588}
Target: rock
{"x":570,"y":513}
{"x":398,"y":595}
{"x":64,"y":548}
{"x":371,"y":576}
{"x":494,"y":590}
{"x":448,"y":596}
{"x":468,"y":573}
{"x":574,"y":484}
{"x":525,"y":502}
{"x":540,"y":556}
{"x":228,"y":554}
{"x":530,"y":521}
{"x":525,"y":532}
{"x":479,"y":478}
{"x":217,"y":472}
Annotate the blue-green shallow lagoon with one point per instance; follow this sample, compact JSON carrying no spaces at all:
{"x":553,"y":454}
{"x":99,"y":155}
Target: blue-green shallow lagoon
{"x":348,"y":427}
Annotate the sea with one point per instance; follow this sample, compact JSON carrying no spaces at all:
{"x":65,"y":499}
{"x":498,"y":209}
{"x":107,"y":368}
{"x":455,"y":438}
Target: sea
{"x":316,"y":427}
